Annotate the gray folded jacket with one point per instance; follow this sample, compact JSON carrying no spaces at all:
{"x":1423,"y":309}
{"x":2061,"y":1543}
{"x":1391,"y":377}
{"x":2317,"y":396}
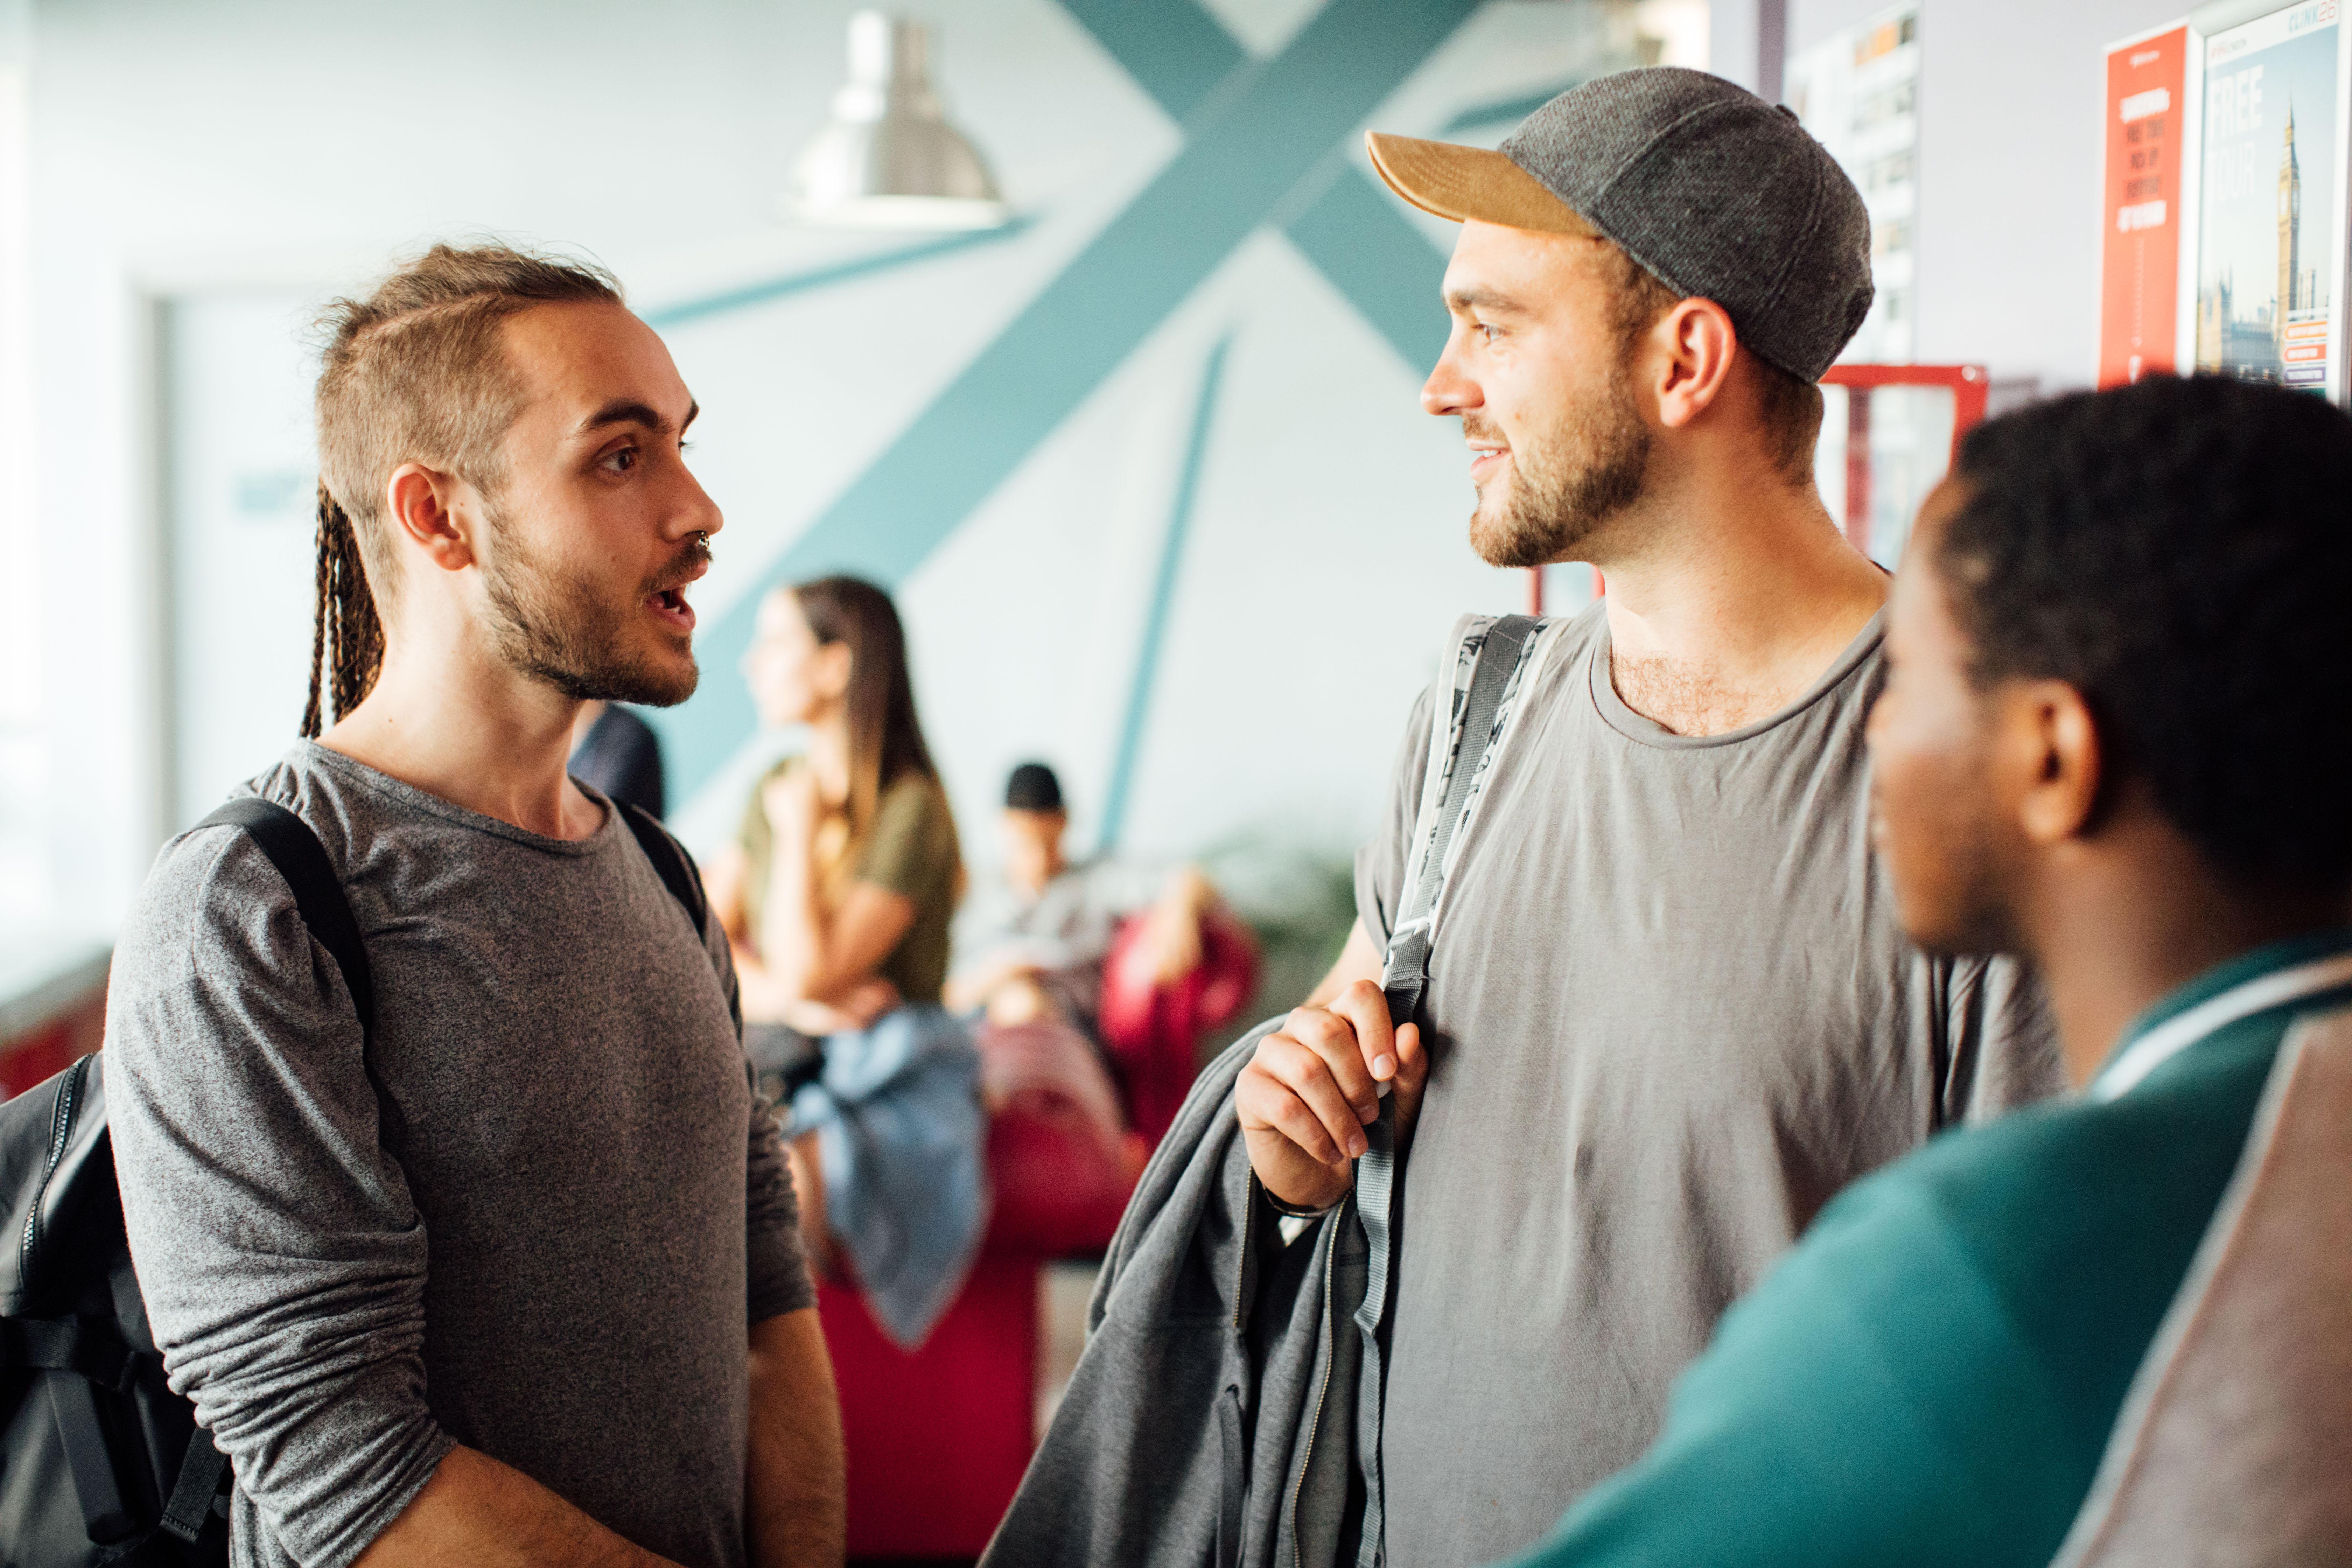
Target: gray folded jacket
{"x":1213,"y":1416}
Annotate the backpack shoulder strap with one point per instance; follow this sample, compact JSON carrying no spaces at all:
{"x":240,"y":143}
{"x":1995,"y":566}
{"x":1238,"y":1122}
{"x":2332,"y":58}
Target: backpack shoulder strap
{"x":669,"y":858}
{"x":301,"y":859}
{"x":1448,"y":797}
{"x":1453,"y":769}
{"x":679,"y":874}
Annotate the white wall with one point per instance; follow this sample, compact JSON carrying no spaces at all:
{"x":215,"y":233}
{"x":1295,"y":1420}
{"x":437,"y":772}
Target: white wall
{"x":206,"y":153}
{"x":24,"y":879}
{"x":214,"y":150}
{"x":247,"y":143}
{"x":2011,"y":97}
{"x":239,"y":464}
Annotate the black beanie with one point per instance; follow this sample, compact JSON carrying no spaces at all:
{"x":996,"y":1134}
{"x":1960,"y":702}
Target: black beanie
{"x":1033,"y":788}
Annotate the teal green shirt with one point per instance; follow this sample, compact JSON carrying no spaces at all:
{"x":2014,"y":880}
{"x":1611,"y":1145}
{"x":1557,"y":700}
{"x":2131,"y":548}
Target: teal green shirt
{"x":1931,"y":1375}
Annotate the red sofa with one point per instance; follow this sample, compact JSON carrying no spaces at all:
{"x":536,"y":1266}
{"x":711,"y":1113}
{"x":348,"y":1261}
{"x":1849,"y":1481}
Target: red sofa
{"x":938,"y":1437}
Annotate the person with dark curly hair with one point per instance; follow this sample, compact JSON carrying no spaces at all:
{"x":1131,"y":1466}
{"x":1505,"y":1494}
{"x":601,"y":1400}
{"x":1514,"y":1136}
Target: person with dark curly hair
{"x":2114,"y":742}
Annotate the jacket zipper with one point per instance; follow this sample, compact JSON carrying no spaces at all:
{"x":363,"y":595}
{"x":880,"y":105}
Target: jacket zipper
{"x":1241,"y":1275}
{"x":61,"y":1123}
{"x":1322,"y":1393}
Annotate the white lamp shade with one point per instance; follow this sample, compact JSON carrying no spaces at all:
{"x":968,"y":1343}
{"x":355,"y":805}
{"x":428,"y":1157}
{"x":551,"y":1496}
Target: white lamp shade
{"x":887,"y":156}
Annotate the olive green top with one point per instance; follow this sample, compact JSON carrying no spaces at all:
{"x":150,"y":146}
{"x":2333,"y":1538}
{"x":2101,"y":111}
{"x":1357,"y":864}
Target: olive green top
{"x":911,"y":852}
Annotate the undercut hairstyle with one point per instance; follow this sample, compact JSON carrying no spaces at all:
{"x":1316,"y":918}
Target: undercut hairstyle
{"x":1789,"y":406}
{"x":2180,"y":553}
{"x":414,"y":372}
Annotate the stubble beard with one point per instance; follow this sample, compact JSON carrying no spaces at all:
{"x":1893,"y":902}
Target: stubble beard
{"x":560,"y":628}
{"x":1559,"y":495}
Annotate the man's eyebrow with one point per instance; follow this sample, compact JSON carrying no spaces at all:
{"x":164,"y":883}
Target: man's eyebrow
{"x":629,"y":411}
{"x":1478,"y":297}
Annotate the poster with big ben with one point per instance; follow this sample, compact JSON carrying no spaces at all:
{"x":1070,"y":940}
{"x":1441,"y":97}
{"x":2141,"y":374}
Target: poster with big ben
{"x":2270,"y":230}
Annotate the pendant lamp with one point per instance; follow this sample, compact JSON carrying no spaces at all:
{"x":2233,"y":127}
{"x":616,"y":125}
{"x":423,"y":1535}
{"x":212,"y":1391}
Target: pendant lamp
{"x":887,"y":158}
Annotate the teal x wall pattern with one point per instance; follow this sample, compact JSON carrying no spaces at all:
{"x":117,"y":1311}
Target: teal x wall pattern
{"x":1265,"y":142}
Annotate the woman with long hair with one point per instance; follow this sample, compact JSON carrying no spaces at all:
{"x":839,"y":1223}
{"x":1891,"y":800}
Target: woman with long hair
{"x":842,"y":883}
{"x":837,"y":897}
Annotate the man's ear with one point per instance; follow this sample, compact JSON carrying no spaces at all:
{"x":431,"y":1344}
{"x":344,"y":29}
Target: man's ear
{"x":1692,"y":348}
{"x":423,"y":505}
{"x":2054,"y":760}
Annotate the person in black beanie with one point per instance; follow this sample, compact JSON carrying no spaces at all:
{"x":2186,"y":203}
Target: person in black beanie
{"x":1033,"y":941}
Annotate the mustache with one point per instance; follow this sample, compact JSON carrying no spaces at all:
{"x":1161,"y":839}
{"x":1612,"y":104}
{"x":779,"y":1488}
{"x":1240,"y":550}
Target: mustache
{"x":1478,"y":427}
{"x":691,"y":558}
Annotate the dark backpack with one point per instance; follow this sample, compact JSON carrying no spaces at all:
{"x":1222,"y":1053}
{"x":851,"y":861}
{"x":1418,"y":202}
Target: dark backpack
{"x":99,"y":1461}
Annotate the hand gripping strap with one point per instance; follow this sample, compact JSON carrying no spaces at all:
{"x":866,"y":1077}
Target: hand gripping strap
{"x":1403,"y":977}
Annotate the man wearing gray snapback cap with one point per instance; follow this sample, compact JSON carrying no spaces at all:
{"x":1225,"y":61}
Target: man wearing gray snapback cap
{"x":1670,"y":1011}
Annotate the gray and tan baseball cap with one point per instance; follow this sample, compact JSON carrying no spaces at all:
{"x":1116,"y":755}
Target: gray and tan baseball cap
{"x":1717,"y":194}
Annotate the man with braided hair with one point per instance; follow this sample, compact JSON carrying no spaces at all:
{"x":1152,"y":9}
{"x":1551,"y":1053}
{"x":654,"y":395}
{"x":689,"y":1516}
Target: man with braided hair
{"x":510,"y":1273}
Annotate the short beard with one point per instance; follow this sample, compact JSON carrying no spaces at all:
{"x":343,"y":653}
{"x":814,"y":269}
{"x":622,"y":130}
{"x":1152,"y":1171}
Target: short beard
{"x":561,"y":630}
{"x":1603,"y":454}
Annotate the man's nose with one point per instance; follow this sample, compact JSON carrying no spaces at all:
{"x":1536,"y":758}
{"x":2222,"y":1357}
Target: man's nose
{"x":1448,"y":391}
{"x":697,"y":510}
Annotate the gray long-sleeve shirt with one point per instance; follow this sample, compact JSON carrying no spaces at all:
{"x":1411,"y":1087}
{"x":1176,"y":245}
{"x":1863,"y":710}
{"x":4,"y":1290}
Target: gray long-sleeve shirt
{"x":582,"y":1208}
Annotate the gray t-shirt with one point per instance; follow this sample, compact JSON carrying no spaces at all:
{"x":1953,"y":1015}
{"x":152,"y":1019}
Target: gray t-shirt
{"x":558,"y":1261}
{"x":1064,"y":931}
{"x":1673,"y":1015}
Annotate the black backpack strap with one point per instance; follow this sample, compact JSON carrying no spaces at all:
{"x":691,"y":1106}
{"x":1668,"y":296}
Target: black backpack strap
{"x":90,"y":1347}
{"x":683,"y":880}
{"x":302,"y":860}
{"x":191,"y":1502}
{"x":89,"y":1461}
{"x":676,"y":868}
{"x":294,"y":849}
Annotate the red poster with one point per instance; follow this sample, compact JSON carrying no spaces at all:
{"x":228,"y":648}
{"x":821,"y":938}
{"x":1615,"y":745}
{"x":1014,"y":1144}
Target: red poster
{"x":2140,"y":275}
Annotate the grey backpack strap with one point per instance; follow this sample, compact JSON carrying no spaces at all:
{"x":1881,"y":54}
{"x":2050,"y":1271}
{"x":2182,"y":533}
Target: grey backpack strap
{"x":1404,"y":976}
{"x":1405,"y":971}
